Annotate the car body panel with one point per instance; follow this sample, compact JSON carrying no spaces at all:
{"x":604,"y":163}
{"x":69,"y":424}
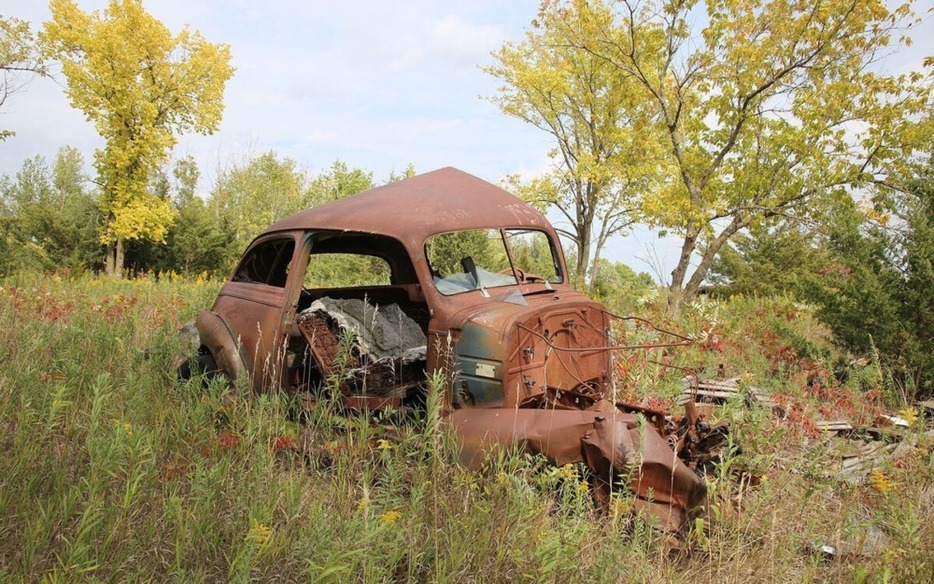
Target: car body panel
{"x":526,"y":364}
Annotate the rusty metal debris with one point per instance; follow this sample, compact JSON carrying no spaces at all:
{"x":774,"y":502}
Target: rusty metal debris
{"x":475,"y":292}
{"x":616,"y":446}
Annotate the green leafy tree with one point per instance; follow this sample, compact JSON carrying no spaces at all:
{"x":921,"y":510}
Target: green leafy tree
{"x":140,"y":86}
{"x":605,"y":155}
{"x":769,"y":261}
{"x":20,"y":59}
{"x":869,"y":270}
{"x":773,"y":109}
{"x":916,"y":244}
{"x":337,"y":182}
{"x":198,"y":240}
{"x":252,"y":195}
{"x":48,"y":217}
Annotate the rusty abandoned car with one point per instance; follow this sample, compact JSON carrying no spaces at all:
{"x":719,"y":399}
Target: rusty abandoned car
{"x":444,"y":272}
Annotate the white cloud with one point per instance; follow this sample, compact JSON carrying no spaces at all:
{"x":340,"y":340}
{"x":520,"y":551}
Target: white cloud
{"x":462,"y":43}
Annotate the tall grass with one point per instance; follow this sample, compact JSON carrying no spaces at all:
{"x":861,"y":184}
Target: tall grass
{"x":111,"y":470}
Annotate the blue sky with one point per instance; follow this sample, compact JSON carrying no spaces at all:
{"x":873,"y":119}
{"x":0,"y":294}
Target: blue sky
{"x":376,"y":84}
{"x":379,"y":85}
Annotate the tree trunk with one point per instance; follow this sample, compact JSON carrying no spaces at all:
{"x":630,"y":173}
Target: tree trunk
{"x":684,"y":261}
{"x":676,"y":294}
{"x":118,"y":258}
{"x":109,"y":260}
{"x":113,"y":261}
{"x":700,"y":273}
{"x":583,"y":260}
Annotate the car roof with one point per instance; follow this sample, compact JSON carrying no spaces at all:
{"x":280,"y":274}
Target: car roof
{"x":416,"y":208}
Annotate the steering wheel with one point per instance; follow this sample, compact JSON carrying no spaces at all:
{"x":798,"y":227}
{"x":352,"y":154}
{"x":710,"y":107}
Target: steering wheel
{"x":523,"y":276}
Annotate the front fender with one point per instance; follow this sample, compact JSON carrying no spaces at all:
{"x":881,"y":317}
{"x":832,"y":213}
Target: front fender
{"x":220,"y":339}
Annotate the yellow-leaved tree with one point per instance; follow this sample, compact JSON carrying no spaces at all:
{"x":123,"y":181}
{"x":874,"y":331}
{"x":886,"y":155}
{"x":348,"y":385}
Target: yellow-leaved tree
{"x":606,"y":150}
{"x":19,"y":60}
{"x":766,"y":109}
{"x":141,"y":87}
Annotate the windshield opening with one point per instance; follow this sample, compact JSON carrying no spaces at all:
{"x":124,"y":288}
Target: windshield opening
{"x":480,"y":258}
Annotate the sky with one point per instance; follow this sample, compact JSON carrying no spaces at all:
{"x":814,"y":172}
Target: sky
{"x":379,"y":85}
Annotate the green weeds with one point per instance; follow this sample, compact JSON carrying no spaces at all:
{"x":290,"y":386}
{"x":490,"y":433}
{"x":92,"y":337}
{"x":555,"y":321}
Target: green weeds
{"x":111,"y":470}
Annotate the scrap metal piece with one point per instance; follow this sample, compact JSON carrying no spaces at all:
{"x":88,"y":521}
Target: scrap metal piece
{"x":621,"y":450}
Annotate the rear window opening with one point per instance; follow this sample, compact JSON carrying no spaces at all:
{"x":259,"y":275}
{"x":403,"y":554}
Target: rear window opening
{"x":267,"y":263}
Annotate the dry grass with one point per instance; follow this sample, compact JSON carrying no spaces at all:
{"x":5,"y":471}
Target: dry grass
{"x":111,"y":471}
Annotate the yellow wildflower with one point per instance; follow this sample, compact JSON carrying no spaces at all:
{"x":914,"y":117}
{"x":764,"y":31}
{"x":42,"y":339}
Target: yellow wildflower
{"x":390,"y":517}
{"x":619,"y":507}
{"x":910,"y":415}
{"x":258,"y":534}
{"x":125,"y":426}
{"x":880,"y":481}
{"x":567,"y":472}
{"x":583,"y":487}
{"x":383,"y":444}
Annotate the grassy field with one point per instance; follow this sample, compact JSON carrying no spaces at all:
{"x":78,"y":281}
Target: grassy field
{"x":112,"y":471}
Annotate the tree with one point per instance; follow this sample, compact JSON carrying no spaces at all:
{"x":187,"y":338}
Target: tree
{"x":772,"y":110}
{"x":254,"y":194}
{"x":336,"y":183}
{"x":198,"y":241}
{"x":604,"y":158}
{"x":20,"y":59}
{"x":140,"y":86}
{"x":621,"y":287}
{"x":48,"y":218}
{"x":869,"y":271}
{"x":770,"y":261}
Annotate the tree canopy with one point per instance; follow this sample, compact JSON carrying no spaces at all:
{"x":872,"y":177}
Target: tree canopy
{"x":47,"y":216}
{"x":20,"y":58}
{"x":604,"y":159}
{"x":772,"y":109}
{"x":140,"y":86}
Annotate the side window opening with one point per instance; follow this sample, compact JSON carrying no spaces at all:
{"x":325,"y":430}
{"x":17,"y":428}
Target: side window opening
{"x":346,"y":270}
{"x":359,"y":288}
{"x":267,"y":263}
